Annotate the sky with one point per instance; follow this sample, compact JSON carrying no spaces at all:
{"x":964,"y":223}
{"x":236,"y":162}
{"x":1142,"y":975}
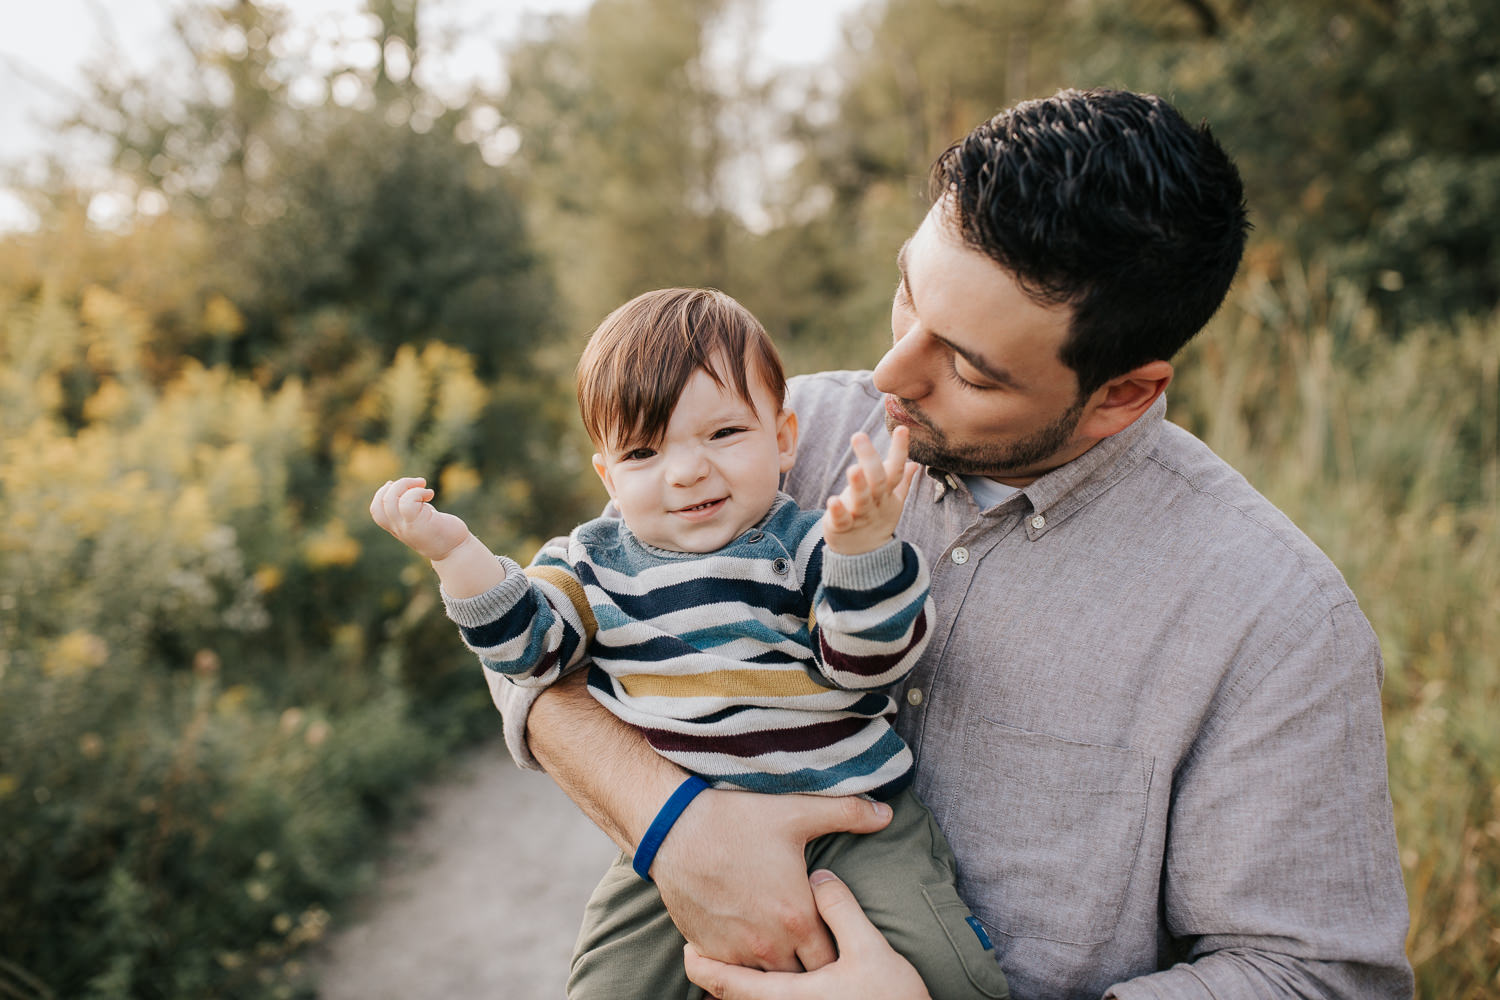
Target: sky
{"x":43,"y":53}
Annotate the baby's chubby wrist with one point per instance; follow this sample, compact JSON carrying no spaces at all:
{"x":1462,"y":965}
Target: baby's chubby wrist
{"x":469,"y":568}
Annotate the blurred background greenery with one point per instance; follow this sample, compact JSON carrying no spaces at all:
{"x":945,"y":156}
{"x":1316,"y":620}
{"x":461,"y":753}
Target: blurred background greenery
{"x":219,"y":682}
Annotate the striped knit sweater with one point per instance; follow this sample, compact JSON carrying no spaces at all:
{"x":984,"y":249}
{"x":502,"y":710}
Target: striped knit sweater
{"x":762,"y":666}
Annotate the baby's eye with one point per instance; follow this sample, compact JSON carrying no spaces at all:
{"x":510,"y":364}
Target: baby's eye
{"x":638,"y":454}
{"x":724,"y":432}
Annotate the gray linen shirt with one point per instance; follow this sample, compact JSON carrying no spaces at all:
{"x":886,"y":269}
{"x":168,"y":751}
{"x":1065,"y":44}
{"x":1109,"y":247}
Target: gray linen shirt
{"x":1148,"y":721}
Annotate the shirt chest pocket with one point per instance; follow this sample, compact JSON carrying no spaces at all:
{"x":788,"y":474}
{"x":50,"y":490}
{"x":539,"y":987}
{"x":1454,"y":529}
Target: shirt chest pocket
{"x":1047,"y":832}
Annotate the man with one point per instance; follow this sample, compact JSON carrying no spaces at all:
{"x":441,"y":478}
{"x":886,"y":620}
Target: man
{"x":1148,"y":719}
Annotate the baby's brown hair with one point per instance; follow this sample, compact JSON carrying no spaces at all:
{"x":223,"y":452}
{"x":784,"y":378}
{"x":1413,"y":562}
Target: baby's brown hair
{"x":639,"y":359}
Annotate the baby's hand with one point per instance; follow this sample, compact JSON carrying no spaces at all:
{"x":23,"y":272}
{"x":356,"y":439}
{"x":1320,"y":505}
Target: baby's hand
{"x":402,"y":508}
{"x":863,"y":517}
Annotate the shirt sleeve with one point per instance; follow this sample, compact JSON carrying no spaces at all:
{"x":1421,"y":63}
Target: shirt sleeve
{"x":871,"y":615}
{"x":533,"y":626}
{"x":514,"y":700}
{"x":1281,"y":877}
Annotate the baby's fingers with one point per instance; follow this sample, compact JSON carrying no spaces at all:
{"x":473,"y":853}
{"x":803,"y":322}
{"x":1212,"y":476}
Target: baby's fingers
{"x":386,"y":507}
{"x":868,"y":462}
{"x":908,"y":476}
{"x":838,"y":515}
{"x":411,"y":502}
{"x":895,"y":459}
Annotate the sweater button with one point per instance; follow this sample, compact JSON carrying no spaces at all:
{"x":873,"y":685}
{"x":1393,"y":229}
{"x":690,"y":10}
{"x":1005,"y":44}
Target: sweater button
{"x":755,"y":536}
{"x":780,"y":567}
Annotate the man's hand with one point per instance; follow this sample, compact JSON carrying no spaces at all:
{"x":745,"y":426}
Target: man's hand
{"x":734,"y":876}
{"x":863,"y":517}
{"x":867,"y":967}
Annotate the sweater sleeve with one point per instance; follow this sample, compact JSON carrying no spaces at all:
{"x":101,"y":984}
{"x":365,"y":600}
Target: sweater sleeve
{"x":532,"y":627}
{"x":871,"y":614}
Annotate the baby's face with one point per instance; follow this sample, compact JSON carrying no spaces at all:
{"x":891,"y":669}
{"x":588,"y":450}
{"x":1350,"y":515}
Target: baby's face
{"x":713,"y":475}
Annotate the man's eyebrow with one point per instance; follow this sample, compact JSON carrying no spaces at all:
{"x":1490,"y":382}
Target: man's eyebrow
{"x":999,"y":376}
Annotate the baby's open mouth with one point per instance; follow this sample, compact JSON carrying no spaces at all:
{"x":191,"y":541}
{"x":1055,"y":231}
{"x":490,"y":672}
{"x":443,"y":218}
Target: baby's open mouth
{"x":700,"y":507}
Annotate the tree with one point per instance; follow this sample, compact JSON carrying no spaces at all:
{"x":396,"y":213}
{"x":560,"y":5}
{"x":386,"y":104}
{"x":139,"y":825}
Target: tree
{"x":623,"y":150}
{"x":338,"y":231}
{"x":1368,"y":133}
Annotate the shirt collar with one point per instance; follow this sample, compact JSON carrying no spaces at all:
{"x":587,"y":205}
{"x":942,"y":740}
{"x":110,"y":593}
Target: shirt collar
{"x":1056,"y":495}
{"x":1064,"y":490}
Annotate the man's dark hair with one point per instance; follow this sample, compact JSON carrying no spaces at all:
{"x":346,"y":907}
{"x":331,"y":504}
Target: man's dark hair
{"x":1108,"y":202}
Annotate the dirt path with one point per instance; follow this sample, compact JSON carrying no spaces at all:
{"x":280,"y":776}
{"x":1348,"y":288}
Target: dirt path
{"x":481,"y":899}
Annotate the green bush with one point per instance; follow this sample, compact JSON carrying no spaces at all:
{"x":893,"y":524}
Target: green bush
{"x":219,"y":680}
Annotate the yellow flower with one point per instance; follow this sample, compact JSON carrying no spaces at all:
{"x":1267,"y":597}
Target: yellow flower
{"x":459,"y":480}
{"x":370,"y":465}
{"x":333,"y":546}
{"x":78,"y":652}
{"x":268,"y":578}
{"x":221,"y":318}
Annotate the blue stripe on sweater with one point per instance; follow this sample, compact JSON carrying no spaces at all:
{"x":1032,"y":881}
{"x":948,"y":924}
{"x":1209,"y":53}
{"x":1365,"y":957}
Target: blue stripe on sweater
{"x":509,"y":625}
{"x":774,"y":597}
{"x":895,"y":626}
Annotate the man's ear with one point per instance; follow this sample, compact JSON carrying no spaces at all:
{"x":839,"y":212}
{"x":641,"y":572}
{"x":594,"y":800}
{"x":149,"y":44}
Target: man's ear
{"x":603,"y":471}
{"x":786,"y":438}
{"x":1118,"y":403}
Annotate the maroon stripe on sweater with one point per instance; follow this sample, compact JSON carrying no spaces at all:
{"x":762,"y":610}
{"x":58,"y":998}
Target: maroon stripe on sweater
{"x":871,"y":666}
{"x":797,"y":740}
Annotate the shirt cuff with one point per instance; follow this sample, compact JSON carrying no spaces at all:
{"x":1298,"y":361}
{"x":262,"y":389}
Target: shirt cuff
{"x":493,"y":604}
{"x":865,"y":571}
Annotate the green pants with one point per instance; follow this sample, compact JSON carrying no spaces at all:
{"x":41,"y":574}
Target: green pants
{"x":903,"y":877}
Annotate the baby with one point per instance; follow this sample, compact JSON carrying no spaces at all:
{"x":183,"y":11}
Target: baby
{"x":751,"y":642}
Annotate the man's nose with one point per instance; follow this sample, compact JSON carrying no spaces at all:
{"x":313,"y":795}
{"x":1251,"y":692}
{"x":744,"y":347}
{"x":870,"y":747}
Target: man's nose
{"x":902,"y":372}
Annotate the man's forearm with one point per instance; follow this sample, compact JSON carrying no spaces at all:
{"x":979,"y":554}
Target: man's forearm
{"x":606,"y":767}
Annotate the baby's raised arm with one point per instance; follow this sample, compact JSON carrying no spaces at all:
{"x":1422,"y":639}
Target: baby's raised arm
{"x":463,"y":563}
{"x":863,"y":517}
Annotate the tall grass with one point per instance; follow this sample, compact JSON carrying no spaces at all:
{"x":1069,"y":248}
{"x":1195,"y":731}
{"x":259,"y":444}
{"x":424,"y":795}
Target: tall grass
{"x":1385,"y":452}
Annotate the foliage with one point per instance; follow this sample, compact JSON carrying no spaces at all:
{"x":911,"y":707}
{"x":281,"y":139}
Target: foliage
{"x":624,"y":146}
{"x":217,"y":677}
{"x":337,"y":232}
{"x":1368,"y":133}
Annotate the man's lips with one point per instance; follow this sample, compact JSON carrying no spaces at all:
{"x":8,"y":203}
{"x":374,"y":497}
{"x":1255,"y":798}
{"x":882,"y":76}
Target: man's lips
{"x":899,"y":413}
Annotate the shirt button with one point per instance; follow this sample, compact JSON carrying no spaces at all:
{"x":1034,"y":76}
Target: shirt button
{"x":914,"y":696}
{"x":960,"y":555}
{"x":755,"y":536}
{"x":780,"y":567}
{"x":1038,"y":522}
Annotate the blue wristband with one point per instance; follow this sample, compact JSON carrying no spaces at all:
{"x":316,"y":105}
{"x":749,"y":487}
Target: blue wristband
{"x":662,"y":824}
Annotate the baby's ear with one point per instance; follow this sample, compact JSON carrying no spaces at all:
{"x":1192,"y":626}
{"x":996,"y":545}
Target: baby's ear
{"x":603,"y":471}
{"x":786,"y":438}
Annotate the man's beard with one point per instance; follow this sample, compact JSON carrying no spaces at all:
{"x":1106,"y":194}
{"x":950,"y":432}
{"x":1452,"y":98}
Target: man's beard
{"x":993,"y":458}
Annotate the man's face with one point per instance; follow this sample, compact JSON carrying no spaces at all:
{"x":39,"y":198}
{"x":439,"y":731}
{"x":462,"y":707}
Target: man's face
{"x":974,"y":372}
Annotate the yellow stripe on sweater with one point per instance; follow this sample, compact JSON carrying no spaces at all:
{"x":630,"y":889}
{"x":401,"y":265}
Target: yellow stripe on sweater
{"x":572,"y":590}
{"x":733,"y":684}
